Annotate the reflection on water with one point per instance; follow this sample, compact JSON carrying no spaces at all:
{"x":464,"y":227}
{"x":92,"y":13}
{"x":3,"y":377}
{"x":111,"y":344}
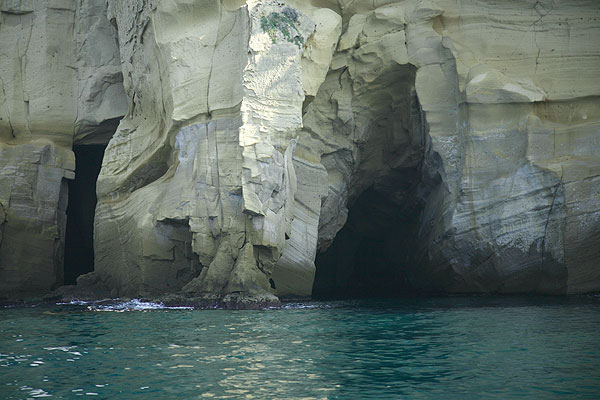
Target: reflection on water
{"x":462,"y":347}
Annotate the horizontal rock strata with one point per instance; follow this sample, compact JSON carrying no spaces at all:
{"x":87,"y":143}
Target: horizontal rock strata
{"x":414,"y":145}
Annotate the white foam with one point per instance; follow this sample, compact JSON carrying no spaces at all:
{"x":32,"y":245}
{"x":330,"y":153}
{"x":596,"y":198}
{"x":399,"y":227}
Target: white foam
{"x":134,"y":305}
{"x":74,"y":303}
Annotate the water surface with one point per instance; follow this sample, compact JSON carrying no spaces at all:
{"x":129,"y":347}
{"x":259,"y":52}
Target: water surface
{"x":451,"y":348}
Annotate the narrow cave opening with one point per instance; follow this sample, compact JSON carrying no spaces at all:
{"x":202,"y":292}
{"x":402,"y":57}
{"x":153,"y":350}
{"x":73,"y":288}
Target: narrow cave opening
{"x":79,"y":238}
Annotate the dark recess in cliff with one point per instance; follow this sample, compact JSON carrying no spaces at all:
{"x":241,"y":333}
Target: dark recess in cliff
{"x":380,"y":250}
{"x":392,"y":221}
{"x":79,"y":241}
{"x":367,"y":258}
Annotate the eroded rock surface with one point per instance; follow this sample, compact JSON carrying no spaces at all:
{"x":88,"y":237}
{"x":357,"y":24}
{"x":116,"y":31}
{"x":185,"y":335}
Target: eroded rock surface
{"x":417,"y":145}
{"x":60,"y":80}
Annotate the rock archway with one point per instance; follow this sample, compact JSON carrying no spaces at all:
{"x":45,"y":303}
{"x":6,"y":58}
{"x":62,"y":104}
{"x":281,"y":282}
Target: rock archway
{"x":390,"y":186}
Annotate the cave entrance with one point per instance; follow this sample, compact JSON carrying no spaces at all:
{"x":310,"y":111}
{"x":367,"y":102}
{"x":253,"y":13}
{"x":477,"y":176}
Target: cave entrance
{"x":380,"y":250}
{"x":395,"y":197}
{"x":79,"y":238}
{"x":375,"y":251}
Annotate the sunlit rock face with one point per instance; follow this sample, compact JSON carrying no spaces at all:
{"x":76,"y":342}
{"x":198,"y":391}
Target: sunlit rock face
{"x":415,"y":145}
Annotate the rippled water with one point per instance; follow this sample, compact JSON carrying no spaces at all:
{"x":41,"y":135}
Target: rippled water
{"x":469,"y":347}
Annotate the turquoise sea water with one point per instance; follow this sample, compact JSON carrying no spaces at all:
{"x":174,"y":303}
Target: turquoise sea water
{"x":430,"y":348}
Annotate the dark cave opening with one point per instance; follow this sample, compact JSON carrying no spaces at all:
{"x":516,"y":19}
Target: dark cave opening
{"x":79,"y":238}
{"x":396,"y":201}
{"x":380,"y":250}
{"x":372,"y":254}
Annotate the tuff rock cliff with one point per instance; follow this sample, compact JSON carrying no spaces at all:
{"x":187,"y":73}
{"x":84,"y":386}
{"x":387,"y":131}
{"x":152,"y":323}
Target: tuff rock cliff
{"x":428,"y":145}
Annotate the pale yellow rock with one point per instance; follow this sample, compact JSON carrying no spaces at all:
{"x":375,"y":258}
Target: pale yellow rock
{"x":350,"y":38}
{"x":491,"y":86}
{"x":503,"y":158}
{"x":463,"y":138}
{"x":317,"y":56}
{"x":229,"y":182}
{"x":33,"y":195}
{"x":60,"y":83}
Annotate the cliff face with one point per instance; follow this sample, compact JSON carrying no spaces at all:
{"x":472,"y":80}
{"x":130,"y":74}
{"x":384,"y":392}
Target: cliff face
{"x":416,"y":145}
{"x":60,"y":78}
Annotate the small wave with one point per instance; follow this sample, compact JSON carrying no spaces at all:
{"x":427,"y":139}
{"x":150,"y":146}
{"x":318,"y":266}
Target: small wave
{"x":73,"y":303}
{"x":302,"y":306}
{"x":122,"y":306}
{"x":134,"y":305}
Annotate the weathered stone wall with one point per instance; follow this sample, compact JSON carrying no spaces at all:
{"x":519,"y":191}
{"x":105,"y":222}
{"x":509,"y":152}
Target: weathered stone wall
{"x":472,"y":128}
{"x":60,"y":81}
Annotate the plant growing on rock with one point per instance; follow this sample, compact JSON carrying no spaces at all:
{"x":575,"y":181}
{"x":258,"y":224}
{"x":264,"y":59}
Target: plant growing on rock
{"x":284,"y":22}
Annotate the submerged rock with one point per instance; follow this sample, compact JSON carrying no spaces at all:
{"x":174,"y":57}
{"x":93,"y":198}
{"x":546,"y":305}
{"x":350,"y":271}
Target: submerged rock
{"x":416,"y":145}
